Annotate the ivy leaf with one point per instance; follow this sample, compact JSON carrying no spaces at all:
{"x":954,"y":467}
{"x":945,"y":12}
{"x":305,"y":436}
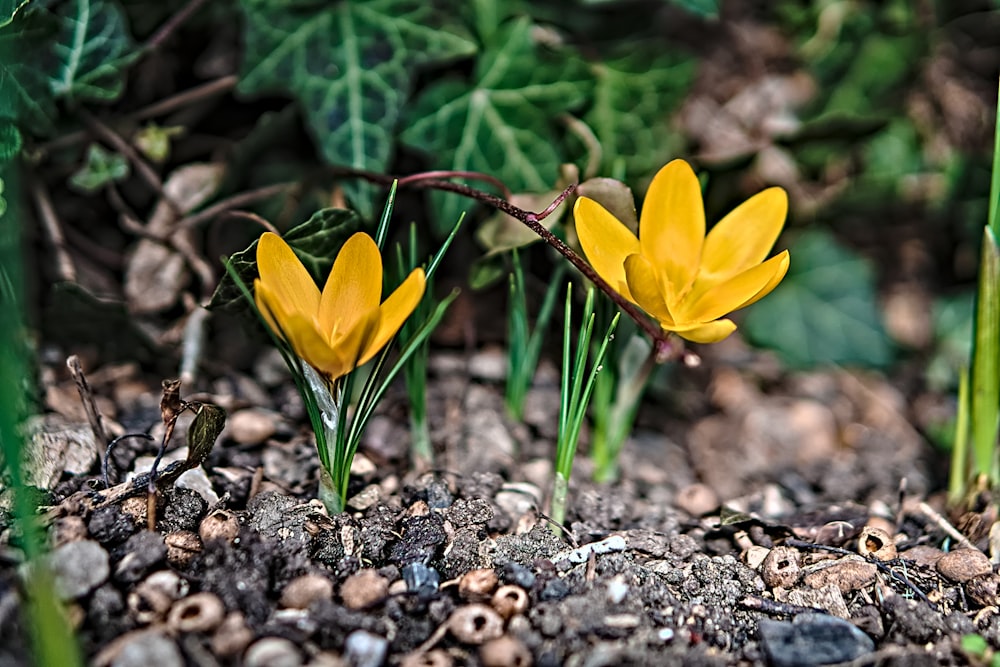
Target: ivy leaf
{"x":316,"y":242}
{"x":8,"y":8}
{"x":824,"y":311}
{"x":633,"y":98}
{"x":506,"y":122}
{"x":704,"y":8}
{"x":25,"y":96}
{"x":92,"y":50}
{"x":350,"y":65}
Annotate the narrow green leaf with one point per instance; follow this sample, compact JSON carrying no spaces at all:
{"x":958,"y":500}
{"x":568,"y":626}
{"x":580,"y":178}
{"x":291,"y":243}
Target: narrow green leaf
{"x":92,"y":50}
{"x":505,"y":122}
{"x":824,"y":312}
{"x":986,"y":362}
{"x":350,"y":65}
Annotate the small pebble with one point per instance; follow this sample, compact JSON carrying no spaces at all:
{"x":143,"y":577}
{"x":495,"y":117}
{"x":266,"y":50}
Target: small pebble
{"x":517,"y":574}
{"x":201,"y":612}
{"x":697,"y":499}
{"x":433,"y":658}
{"x":151,"y":600}
{"x":221,"y":524}
{"x":475,"y":623}
{"x":984,"y":589}
{"x":363,"y":588}
{"x":618,"y":589}
{"x":232,"y":637}
{"x":554,"y":589}
{"x":79,"y":567}
{"x":876,"y":543}
{"x":961,"y":565}
{"x":365,"y":649}
{"x":923,"y":554}
{"x":182,"y":547}
{"x":812,"y":639}
{"x":509,"y":601}
{"x":143,"y":550}
{"x":505,"y":651}
{"x":303,"y":591}
{"x":252,"y":426}
{"x":848,"y":574}
{"x":421,"y":580}
{"x":272,"y":652}
{"x":780,"y":568}
{"x":477,"y":585}
{"x":149,"y":647}
{"x":582,"y":554}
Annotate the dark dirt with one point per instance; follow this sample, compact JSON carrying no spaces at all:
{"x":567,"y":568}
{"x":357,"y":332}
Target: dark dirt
{"x":458,"y":565}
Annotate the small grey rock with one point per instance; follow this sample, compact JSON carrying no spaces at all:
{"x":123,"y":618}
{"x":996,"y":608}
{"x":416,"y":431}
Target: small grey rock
{"x":149,"y":648}
{"x":79,"y":567}
{"x":813,"y":639}
{"x":365,"y":649}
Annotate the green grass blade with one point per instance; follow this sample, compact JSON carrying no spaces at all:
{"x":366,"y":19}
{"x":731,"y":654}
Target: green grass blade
{"x":986,"y":361}
{"x":45,"y":620}
{"x":958,"y":476}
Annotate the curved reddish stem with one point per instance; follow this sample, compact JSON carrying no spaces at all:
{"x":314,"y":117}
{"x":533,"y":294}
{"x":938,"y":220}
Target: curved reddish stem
{"x":665,"y":347}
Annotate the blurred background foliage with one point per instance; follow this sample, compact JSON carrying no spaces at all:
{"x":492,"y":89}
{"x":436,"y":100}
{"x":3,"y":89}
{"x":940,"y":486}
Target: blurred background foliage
{"x":874,"y":115}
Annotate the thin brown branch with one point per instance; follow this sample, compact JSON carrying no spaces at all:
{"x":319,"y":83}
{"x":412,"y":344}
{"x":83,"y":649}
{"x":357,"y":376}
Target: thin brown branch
{"x":186,"y":98}
{"x":445,"y":174}
{"x":664,"y":346}
{"x":166,"y":105}
{"x":94,"y":416}
{"x":53,"y":229}
{"x":172,"y":24}
{"x":266,"y":224}
{"x":236,"y":201}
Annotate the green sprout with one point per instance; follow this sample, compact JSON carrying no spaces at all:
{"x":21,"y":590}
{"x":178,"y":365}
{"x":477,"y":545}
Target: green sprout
{"x":576,"y":387}
{"x":979,"y":411}
{"x":524,"y":344}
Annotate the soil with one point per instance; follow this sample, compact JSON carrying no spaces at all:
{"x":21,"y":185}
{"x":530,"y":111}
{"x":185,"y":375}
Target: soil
{"x":726,"y":540}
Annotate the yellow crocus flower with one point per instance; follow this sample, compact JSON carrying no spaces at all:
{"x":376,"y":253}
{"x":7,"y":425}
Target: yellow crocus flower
{"x":344,"y":326}
{"x":684,"y":279}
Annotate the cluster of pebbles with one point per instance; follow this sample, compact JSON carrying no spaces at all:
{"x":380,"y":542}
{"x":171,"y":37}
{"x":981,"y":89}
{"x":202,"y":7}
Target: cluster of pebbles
{"x":426,"y":583}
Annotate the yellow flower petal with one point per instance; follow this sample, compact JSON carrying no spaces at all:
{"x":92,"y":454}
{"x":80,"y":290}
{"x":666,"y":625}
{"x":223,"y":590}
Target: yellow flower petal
{"x":394,"y":311}
{"x":606,"y":242}
{"x":745,"y":236}
{"x":783,"y":260}
{"x":736,"y":292}
{"x":708,"y":332}
{"x":644,"y":284}
{"x":354,"y":286}
{"x":672,"y":224}
{"x":314,"y":348}
{"x":352,"y":344}
{"x":285,"y":277}
{"x":264,"y":299}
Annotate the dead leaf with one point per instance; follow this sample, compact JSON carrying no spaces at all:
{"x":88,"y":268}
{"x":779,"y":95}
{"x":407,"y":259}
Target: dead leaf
{"x":156,"y":274}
